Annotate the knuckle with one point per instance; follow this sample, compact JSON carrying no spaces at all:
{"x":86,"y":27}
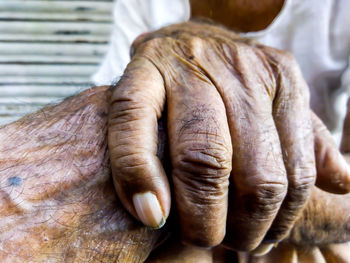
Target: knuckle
{"x":301,"y":183}
{"x":196,"y":45}
{"x":268,"y":196}
{"x":202,"y":165}
{"x":151,"y":42}
{"x":152,"y":45}
{"x":202,"y":159}
{"x":130,"y":164}
{"x":287,"y":58}
{"x":261,"y":196}
{"x":292,"y":86}
{"x":283,"y":58}
{"x":125,"y":113}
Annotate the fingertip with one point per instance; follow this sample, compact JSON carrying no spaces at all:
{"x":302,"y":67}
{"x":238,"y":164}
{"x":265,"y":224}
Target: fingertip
{"x":149,"y":210}
{"x":263,"y":249}
{"x":207,"y":242}
{"x":333,"y":173}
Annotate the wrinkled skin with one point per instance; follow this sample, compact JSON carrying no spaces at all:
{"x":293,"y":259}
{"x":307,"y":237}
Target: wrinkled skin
{"x":58,"y":203}
{"x":287,"y":253}
{"x":237,"y":114}
{"x":317,"y":237}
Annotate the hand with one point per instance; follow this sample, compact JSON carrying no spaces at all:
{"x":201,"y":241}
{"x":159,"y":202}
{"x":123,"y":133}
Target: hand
{"x":289,"y":253}
{"x":237,"y":113}
{"x":58,"y":203}
{"x":321,"y":234}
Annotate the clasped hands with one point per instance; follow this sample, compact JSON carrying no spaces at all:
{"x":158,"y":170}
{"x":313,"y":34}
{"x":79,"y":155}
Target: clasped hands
{"x":245,"y":148}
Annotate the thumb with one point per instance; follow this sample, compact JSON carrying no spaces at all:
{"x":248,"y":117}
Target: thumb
{"x":333,"y":172}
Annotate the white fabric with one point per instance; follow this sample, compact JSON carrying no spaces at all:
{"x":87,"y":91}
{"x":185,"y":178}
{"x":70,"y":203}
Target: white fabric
{"x":317,"y":32}
{"x":132,"y":18}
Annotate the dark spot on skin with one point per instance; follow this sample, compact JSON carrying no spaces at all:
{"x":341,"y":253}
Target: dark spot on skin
{"x":15,"y":181}
{"x":102,"y":113}
{"x":191,"y":57}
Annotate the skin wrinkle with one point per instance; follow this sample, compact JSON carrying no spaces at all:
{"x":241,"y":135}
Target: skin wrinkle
{"x":198,"y":51}
{"x":86,"y":222}
{"x":79,"y":204}
{"x":62,"y":223}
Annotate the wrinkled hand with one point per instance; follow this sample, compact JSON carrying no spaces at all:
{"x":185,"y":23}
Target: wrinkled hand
{"x":237,"y":113}
{"x":58,"y":203}
{"x":289,"y":253}
{"x":318,"y":236}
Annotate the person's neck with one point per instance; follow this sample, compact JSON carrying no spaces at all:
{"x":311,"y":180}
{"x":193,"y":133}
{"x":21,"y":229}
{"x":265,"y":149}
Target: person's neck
{"x":240,"y":15}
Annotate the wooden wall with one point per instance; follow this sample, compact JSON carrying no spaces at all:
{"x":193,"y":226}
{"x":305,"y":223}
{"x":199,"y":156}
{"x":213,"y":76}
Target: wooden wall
{"x":48,"y":50}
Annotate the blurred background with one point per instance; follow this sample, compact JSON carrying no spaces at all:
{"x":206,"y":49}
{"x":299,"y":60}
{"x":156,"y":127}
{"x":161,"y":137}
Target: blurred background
{"x":49,"y":50}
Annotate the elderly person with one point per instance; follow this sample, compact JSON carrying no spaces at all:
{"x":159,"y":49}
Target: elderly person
{"x":237,"y":113}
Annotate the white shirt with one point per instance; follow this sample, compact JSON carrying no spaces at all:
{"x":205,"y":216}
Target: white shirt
{"x":316,"y":32}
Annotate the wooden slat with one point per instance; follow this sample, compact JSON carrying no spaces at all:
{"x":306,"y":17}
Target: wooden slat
{"x":70,"y":80}
{"x":57,"y":6}
{"x":76,"y":49}
{"x":54,"y":28}
{"x":24,"y":15}
{"x":54,"y":38}
{"x":38,"y":59}
{"x":48,"y":50}
{"x":41,"y":90}
{"x":46,"y":70}
{"x":9,"y":118}
{"x":29,"y":100}
{"x":21,"y":109}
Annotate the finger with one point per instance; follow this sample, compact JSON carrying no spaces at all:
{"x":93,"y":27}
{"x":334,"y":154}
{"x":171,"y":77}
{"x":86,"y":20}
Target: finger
{"x":339,"y":253}
{"x":285,"y":253}
{"x":140,"y":180}
{"x":222,"y":255}
{"x":310,"y":255}
{"x":325,"y":220}
{"x":173,"y":251}
{"x":258,"y":181}
{"x":333,"y":172}
{"x":201,"y":152}
{"x":292,"y":118}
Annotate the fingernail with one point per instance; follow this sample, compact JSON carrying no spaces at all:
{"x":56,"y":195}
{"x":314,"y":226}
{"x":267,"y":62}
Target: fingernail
{"x":148,"y":209}
{"x":270,"y":241}
{"x":263,"y":249}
